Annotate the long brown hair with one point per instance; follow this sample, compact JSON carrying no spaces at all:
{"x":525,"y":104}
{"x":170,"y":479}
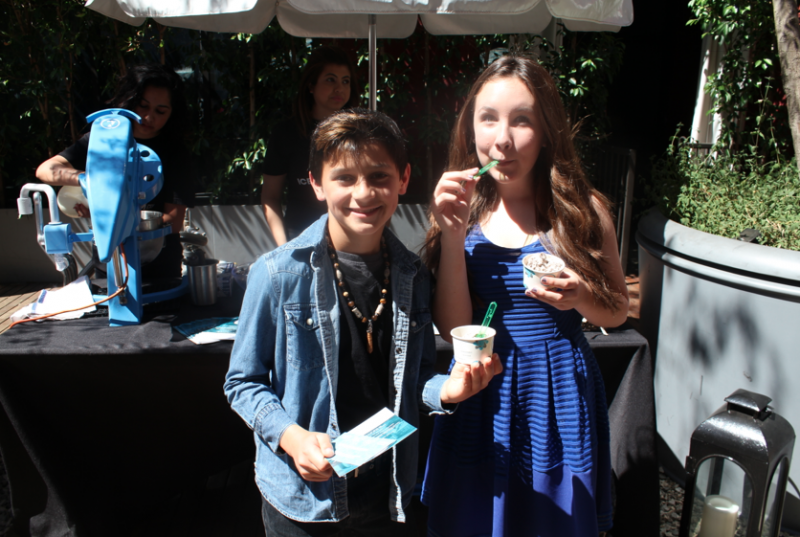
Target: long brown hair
{"x":566,"y":216}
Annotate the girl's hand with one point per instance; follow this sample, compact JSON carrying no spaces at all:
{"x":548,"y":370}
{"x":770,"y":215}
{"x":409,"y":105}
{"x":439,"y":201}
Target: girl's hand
{"x":568,"y":291}
{"x":467,"y":380}
{"x":450,"y":206}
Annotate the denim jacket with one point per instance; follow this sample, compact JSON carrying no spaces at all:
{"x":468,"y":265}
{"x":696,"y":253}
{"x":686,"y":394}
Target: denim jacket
{"x":284,"y":368}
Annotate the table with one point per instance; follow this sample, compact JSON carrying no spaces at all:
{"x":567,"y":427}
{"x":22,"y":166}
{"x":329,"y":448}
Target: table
{"x":627,"y":367}
{"x":123,"y":431}
{"x":126,"y":431}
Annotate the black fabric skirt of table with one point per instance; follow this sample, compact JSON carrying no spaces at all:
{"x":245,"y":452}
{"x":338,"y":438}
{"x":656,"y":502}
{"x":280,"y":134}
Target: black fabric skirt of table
{"x":627,"y":367}
{"x":112,"y":431}
{"x":126,"y":431}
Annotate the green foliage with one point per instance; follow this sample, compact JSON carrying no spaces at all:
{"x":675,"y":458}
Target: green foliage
{"x":747,"y":91}
{"x":45,"y":77}
{"x":583,"y":67}
{"x":748,"y":180}
{"x":725,"y":195}
{"x":227,"y":148}
{"x":60,"y":61}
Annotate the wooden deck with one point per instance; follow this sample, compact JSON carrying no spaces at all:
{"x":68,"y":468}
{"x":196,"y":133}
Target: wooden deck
{"x":633,"y":307}
{"x":15,"y":295}
{"x":633,"y":293}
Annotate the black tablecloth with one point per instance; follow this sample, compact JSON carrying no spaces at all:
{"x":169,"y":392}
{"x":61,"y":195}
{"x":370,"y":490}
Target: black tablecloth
{"x":104,"y":429}
{"x":627,"y":366}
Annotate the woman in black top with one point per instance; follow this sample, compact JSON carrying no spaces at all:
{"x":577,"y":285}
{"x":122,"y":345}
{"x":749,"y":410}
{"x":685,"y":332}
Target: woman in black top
{"x":155,"y":93}
{"x":328,"y":84}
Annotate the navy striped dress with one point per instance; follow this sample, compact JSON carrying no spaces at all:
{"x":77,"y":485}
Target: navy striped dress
{"x":529,"y":455}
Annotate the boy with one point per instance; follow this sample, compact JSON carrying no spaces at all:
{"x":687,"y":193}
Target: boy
{"x":335,"y":326}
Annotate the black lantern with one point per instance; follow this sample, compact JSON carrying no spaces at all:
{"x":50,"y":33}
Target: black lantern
{"x":737,"y":469}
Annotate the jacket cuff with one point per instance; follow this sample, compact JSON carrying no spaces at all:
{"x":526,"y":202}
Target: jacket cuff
{"x":432,"y":396}
{"x":271,"y":423}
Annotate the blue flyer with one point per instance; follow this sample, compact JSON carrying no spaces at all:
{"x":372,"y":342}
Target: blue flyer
{"x":210,"y":330}
{"x":376,"y":435}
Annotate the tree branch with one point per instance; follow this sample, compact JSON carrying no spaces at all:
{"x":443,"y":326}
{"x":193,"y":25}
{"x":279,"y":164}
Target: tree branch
{"x":787,"y":32}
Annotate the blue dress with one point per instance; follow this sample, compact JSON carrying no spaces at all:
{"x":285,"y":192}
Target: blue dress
{"x":529,"y":455}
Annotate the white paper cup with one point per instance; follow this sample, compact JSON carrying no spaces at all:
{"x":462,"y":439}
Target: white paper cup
{"x":532,"y":278}
{"x":467,"y":348}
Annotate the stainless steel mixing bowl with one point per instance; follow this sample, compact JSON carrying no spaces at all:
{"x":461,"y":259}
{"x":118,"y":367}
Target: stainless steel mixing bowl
{"x":149,"y":249}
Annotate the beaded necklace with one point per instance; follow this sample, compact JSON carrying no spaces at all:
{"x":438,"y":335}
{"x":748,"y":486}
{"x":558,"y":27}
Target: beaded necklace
{"x":346,"y":294}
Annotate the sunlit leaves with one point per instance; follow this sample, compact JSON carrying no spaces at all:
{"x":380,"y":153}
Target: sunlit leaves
{"x":39,"y":39}
{"x":746,"y":90}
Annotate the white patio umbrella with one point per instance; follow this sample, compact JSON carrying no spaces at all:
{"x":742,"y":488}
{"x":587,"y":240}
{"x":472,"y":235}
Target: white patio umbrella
{"x":371,"y":19}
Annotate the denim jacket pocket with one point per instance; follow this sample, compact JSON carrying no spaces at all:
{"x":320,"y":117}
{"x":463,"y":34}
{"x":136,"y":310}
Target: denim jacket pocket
{"x":303,"y":336}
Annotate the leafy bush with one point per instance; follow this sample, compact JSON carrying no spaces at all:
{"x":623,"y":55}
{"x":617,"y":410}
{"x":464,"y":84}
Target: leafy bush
{"x":746,"y":180}
{"x":724,"y":195}
{"x":59,"y":62}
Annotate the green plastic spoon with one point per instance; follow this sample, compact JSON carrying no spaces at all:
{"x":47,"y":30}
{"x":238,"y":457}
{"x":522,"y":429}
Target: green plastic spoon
{"x":486,"y":320}
{"x":492,"y":164}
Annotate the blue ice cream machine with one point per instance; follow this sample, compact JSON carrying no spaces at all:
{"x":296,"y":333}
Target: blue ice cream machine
{"x":121,"y":176}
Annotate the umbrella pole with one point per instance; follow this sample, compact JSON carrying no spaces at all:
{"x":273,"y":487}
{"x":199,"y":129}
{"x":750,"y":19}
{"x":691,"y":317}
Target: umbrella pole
{"x":373,"y":64}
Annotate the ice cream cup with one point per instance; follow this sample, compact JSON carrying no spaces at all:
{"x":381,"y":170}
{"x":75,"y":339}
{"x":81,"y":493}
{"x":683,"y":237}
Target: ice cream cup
{"x":467,"y":348}
{"x":533,"y":278}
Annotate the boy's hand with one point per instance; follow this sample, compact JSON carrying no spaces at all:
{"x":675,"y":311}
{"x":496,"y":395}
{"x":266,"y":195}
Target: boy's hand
{"x":308,"y":450}
{"x":467,"y":380}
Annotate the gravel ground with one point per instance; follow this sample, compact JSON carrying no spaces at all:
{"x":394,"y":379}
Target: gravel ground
{"x":672,"y":507}
{"x":671,"y":504}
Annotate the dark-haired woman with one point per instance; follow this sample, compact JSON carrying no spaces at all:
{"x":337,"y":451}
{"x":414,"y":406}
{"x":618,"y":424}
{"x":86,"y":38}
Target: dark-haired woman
{"x":328,"y":84}
{"x":530,"y":454}
{"x":155,"y":93}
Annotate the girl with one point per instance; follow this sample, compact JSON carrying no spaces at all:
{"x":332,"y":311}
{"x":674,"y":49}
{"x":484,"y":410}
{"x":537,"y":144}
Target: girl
{"x":530,"y":454}
{"x":155,"y":93}
{"x":328,"y":84}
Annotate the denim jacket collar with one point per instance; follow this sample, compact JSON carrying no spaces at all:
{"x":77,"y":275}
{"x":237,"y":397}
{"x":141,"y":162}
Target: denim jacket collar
{"x":313,"y":238}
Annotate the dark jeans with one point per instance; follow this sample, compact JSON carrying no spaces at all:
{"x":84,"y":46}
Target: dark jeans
{"x":368,"y":504}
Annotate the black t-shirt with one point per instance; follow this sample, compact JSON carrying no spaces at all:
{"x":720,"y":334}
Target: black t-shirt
{"x":176,"y":164}
{"x":365,"y":385}
{"x":287,"y":154}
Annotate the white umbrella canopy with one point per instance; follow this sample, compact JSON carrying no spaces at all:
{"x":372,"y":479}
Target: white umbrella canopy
{"x":372,"y":19}
{"x":396,"y":18}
